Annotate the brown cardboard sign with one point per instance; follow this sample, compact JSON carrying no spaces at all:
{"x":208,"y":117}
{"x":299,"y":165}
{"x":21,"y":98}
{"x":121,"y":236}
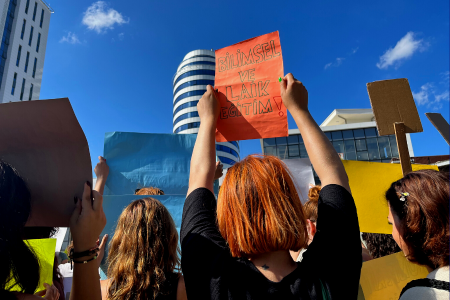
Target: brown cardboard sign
{"x":43,"y":140}
{"x":392,"y":102}
{"x":441,"y":125}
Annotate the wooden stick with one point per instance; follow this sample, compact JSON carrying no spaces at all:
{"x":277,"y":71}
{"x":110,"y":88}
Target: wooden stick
{"x":402,"y":146}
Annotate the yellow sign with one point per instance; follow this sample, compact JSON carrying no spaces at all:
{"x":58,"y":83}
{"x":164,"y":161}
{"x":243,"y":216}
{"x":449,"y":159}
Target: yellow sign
{"x":45,"y":252}
{"x":369,"y":181}
{"x":385,"y":277}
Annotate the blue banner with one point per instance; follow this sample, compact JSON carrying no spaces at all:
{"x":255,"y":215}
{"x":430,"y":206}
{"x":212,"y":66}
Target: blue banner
{"x":138,"y":160}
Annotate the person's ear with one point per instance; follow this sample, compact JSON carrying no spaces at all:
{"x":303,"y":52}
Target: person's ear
{"x":311,"y":228}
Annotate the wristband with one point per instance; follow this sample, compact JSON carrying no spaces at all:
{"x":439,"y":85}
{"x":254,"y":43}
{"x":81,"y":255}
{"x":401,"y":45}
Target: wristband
{"x":83,"y":261}
{"x":89,"y":252}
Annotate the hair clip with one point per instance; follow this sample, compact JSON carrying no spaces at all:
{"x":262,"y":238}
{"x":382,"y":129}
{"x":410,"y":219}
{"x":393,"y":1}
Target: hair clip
{"x":403,"y":196}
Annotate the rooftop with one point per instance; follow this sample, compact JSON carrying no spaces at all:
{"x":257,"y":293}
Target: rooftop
{"x":348,"y":116}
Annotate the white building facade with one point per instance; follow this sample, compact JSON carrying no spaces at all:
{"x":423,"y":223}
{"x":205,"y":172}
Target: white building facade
{"x":195,"y":72}
{"x":353,"y":134}
{"x":24,"y":26}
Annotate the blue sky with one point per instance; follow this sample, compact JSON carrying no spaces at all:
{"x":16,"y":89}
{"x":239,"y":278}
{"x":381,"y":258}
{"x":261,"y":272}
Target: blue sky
{"x":115,"y":60}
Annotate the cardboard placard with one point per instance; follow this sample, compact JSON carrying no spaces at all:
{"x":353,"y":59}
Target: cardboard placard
{"x":441,"y":125}
{"x":43,"y":140}
{"x":392,"y":102}
{"x":114,"y":205}
{"x":385,"y":277}
{"x":45,"y":252}
{"x":248,"y":90}
{"x":302,"y":175}
{"x":138,"y":160}
{"x":369,"y":182}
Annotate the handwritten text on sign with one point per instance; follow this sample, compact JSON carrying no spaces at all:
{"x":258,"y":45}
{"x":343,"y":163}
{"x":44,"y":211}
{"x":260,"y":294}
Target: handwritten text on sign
{"x":249,"y":93}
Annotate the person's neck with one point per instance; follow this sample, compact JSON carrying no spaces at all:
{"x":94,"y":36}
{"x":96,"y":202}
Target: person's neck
{"x":274,"y":265}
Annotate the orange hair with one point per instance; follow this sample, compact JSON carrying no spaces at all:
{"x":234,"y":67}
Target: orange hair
{"x":259,"y":210}
{"x":312,"y":204}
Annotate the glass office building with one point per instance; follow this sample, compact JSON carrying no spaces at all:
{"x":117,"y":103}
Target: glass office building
{"x":353,"y":134}
{"x":194,"y":73}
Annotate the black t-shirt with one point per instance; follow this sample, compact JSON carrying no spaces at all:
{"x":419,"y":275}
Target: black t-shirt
{"x":333,"y":260}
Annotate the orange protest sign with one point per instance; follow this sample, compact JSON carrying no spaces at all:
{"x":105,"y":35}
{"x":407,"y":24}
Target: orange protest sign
{"x":248,"y":90}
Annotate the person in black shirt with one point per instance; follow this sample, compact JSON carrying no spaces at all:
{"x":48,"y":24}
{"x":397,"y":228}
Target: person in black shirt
{"x":238,"y":248}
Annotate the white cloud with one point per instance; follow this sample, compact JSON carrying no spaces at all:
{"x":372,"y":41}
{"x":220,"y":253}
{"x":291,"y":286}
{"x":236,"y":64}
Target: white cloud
{"x":354,"y":50}
{"x":100,"y":18}
{"x":70,"y":38}
{"x":337,"y":63}
{"x":429,"y":97}
{"x":422,"y":97}
{"x":121,"y":36}
{"x":404,"y":49}
{"x":445,"y":77}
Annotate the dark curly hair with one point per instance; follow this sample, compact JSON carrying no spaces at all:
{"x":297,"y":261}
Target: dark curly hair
{"x":424,"y":216}
{"x":380,"y":245}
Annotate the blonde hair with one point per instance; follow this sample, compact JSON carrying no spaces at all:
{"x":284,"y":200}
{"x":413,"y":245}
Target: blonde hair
{"x":143,"y":252}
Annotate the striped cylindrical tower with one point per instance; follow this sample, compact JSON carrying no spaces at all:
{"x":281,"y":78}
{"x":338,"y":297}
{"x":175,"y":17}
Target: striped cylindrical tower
{"x":194,"y":73}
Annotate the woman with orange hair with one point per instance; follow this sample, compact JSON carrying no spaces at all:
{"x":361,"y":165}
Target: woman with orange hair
{"x":238,"y":247}
{"x":143,"y":255}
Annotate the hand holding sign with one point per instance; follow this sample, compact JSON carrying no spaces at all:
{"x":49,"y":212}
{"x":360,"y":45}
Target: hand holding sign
{"x":294,"y":93}
{"x":208,"y":106}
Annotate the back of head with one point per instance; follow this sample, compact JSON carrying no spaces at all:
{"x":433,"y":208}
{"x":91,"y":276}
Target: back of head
{"x":259,"y":210}
{"x":149,"y":191}
{"x":17,"y":261}
{"x":311,"y":206}
{"x":380,"y":245}
{"x":423,"y":216}
{"x":143,"y":251}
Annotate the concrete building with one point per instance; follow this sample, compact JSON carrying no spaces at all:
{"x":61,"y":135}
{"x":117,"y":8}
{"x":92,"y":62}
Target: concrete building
{"x":353,"y":134}
{"x":194,"y":73}
{"x":24,"y":26}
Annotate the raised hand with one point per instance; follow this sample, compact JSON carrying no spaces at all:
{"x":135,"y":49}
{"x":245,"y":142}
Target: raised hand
{"x":293,"y":93}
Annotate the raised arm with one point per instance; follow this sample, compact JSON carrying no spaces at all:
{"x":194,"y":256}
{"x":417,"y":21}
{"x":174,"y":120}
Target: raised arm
{"x":101,"y":170}
{"x":86,"y":224}
{"x":203,"y":161}
{"x":322,"y":154}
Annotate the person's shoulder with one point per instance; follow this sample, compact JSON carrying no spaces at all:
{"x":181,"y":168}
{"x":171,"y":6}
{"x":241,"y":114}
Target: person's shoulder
{"x":104,"y":286}
{"x":333,"y":192}
{"x":200,"y":192}
{"x":424,"y":293}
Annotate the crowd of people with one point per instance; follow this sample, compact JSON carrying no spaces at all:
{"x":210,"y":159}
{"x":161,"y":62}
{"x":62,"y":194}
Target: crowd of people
{"x":255,"y":241}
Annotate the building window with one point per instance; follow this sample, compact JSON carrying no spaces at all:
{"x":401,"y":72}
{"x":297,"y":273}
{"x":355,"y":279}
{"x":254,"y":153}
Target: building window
{"x":14,"y":84}
{"x":22,"y":89}
{"x":26,"y":6}
{"x":192,"y":83}
{"x":4,"y":42}
{"x":31,"y":36}
{"x":42,"y":18}
{"x":31,"y":92}
{"x":34,"y":11}
{"x":194,"y":72}
{"x":23,"y":29}
{"x":26,"y":61}
{"x":38,"y":42}
{"x":19,"y":53}
{"x":34,"y":67}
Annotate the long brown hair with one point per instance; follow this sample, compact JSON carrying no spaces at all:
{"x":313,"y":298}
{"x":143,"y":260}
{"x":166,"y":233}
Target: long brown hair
{"x":143,"y":252}
{"x":423,"y":215}
{"x":259,"y":210}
